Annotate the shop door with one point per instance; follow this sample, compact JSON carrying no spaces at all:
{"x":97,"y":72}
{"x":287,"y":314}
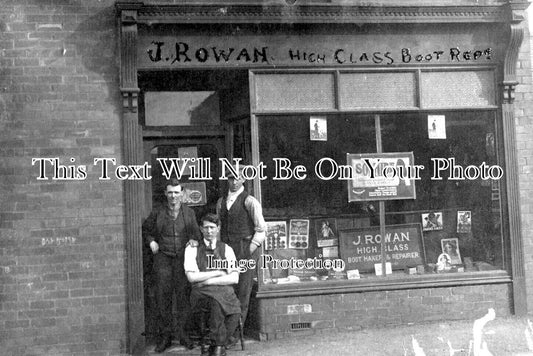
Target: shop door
{"x":200,"y":194}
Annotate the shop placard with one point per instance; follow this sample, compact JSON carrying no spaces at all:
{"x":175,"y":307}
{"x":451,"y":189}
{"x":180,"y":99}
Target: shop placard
{"x":382,"y":176}
{"x":361,"y":248}
{"x":195,"y":193}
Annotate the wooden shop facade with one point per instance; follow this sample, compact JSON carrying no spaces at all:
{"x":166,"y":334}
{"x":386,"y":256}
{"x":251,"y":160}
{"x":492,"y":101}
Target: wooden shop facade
{"x":355,"y":122}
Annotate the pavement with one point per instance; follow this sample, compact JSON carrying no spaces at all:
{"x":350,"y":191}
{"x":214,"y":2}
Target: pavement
{"x":503,"y":336}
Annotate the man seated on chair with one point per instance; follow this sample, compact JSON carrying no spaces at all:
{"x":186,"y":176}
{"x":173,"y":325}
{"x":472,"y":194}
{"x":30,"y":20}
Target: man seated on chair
{"x":212,"y":288}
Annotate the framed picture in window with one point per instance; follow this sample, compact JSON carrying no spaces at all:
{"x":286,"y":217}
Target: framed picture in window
{"x":326,"y":232}
{"x":298,"y":233}
{"x":464,"y":221}
{"x":276,"y":235}
{"x":318,"y":128}
{"x":432,"y":221}
{"x":451,"y":248}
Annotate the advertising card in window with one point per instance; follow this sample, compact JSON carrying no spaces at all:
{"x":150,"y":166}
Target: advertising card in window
{"x":195,"y":193}
{"x":318,"y":128}
{"x":276,"y":235}
{"x":326,"y":232}
{"x":450,"y":247}
{"x":436,"y":126}
{"x":432,"y":221}
{"x":299,"y":234}
{"x":381,"y":176}
{"x":464,"y":221}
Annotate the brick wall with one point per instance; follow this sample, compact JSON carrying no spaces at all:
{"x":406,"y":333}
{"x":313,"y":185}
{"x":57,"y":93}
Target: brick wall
{"x":62,"y":284}
{"x":374,"y":309}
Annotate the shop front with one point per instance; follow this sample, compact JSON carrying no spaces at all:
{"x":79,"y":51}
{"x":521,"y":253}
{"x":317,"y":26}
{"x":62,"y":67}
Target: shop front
{"x":379,"y":140}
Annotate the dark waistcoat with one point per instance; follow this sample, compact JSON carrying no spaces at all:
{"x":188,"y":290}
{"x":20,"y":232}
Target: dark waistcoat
{"x":236,"y":223}
{"x":218,"y":253}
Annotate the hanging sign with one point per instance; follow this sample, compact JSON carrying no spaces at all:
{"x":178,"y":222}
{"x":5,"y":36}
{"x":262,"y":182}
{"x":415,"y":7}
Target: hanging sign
{"x":382,"y":176}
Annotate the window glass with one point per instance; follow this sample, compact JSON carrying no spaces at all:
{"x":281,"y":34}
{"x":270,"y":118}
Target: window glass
{"x":452,"y":226}
{"x":457,"y":89}
{"x":377,"y":90}
{"x":454,"y":210}
{"x":275,"y":92}
{"x":289,"y":137}
{"x":181,"y":108}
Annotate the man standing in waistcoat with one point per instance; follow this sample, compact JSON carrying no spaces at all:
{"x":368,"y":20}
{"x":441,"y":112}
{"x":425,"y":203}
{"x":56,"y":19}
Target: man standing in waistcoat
{"x":212,"y":291}
{"x":243,"y":229}
{"x":167,"y":231}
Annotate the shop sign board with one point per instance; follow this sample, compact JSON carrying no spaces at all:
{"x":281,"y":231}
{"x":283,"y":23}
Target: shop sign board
{"x":160,"y":49}
{"x":382,"y":176}
{"x":360,"y":248}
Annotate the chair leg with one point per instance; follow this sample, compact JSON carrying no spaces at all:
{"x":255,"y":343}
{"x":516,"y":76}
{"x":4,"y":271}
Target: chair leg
{"x":241,"y":332}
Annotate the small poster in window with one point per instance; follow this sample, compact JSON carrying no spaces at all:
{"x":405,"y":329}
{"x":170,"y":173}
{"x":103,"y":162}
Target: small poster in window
{"x":464,"y":221}
{"x":318,"y":128}
{"x":436,"y":126}
{"x":276,"y":235}
{"x":189,"y":153}
{"x":432,"y":221}
{"x":397,"y":182}
{"x":450,"y":247}
{"x":330,"y":252}
{"x":299,"y":233}
{"x":326,"y":232}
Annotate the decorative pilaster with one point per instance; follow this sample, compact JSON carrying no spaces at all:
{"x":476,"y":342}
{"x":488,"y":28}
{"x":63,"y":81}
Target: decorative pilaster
{"x":132,"y":140}
{"x":509,"y":83}
{"x":128,"y":59}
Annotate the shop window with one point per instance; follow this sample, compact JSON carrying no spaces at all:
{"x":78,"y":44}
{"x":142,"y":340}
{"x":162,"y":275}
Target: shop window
{"x":289,"y":137}
{"x":452,"y":226}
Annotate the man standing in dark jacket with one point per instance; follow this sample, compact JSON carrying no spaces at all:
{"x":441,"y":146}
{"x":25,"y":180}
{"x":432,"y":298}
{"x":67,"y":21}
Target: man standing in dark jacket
{"x":167,"y":231}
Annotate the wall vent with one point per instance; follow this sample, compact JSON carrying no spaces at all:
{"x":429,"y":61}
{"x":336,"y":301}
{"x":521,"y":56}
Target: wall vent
{"x":300,"y":326}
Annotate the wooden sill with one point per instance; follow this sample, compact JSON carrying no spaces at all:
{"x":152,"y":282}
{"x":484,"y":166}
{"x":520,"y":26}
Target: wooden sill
{"x":391,"y":282}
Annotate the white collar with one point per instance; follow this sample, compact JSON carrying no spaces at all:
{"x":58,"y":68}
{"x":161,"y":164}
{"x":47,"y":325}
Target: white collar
{"x":233,"y":195}
{"x":208,"y":243}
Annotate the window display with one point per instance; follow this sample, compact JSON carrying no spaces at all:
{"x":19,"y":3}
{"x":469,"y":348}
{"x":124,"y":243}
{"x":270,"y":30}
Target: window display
{"x":452,"y":225}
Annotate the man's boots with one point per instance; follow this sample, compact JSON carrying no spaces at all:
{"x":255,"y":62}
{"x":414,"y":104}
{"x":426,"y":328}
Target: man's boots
{"x":217,"y":351}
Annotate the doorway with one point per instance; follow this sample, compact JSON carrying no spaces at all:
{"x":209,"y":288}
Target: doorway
{"x":199,"y":115}
{"x":200,"y":195}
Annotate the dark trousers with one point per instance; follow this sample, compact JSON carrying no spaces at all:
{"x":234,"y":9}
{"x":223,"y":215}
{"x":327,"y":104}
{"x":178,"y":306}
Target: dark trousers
{"x":218,"y":326}
{"x":170,"y":277}
{"x":243,"y":290}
